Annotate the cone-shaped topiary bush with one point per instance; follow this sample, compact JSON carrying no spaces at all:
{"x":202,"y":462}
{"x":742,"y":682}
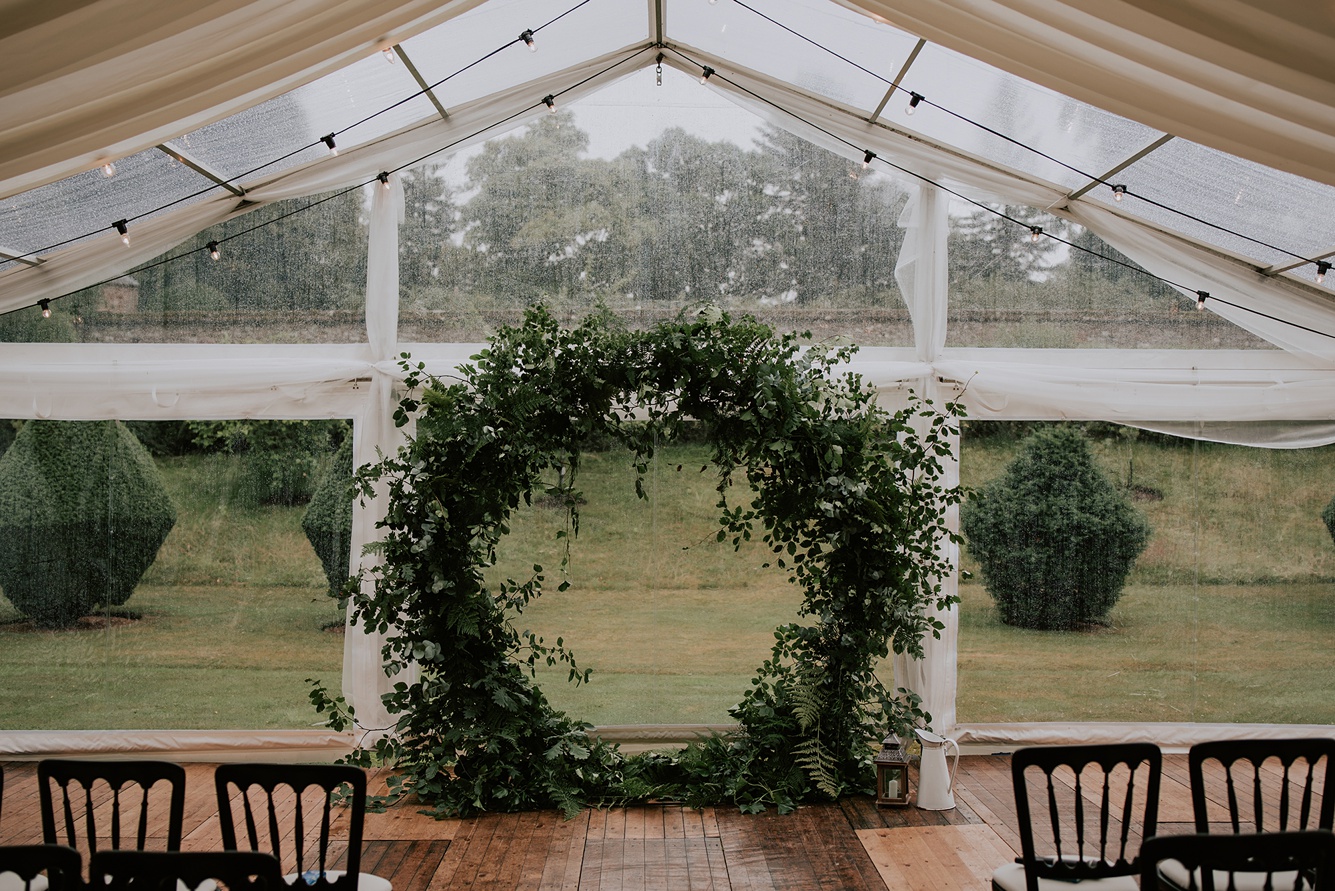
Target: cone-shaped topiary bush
{"x":328,"y":519}
{"x":1053,"y":537}
{"x":82,"y":515}
{"x":1328,"y":517}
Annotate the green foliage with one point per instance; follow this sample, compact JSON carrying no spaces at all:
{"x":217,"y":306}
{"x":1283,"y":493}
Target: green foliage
{"x":1328,"y":517}
{"x":82,"y":515}
{"x":1054,"y":538}
{"x":847,"y":496}
{"x":328,"y":519}
{"x":281,"y":460}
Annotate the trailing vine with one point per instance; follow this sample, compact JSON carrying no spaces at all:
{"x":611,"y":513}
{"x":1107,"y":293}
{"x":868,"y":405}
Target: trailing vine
{"x":846,"y":495}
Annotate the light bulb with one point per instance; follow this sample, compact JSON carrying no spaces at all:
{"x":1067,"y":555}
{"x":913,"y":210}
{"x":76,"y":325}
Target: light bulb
{"x":108,"y":169}
{"x":658,"y":71}
{"x":914,"y":99}
{"x":214,"y":253}
{"x":1322,"y":267}
{"x":704,"y":75}
{"x":46,"y":307}
{"x":389,"y":54}
{"x":1035,"y":232}
{"x":527,"y":37}
{"x":328,"y":140}
{"x":123,"y":227}
{"x":1119,"y":191}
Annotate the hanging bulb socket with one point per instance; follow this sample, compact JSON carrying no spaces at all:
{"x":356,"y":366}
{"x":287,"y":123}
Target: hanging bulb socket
{"x":45,"y":304}
{"x":914,"y":99}
{"x":214,"y":253}
{"x":1201,"y":297}
{"x":550,"y":101}
{"x":527,"y":37}
{"x":328,"y":140}
{"x":108,"y":170}
{"x":383,"y":176}
{"x":1119,"y":192}
{"x":1035,"y":232}
{"x":123,"y":227}
{"x":1322,"y":267}
{"x":705,"y":74}
{"x":868,"y":158}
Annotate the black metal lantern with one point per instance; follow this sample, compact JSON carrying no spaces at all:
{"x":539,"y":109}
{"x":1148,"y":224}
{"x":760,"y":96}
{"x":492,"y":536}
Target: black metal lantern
{"x":892,"y":774}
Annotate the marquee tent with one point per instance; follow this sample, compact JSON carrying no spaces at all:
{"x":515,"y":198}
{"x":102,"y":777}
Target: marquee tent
{"x":1196,"y":138}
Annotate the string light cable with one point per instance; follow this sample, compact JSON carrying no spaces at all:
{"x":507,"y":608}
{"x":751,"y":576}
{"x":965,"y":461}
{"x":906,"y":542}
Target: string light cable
{"x":212,"y":248}
{"x":915,"y":99}
{"x":327,"y":140}
{"x":1197,"y":293}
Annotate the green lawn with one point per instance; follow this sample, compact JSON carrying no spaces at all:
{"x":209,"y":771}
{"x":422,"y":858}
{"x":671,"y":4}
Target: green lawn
{"x":1230,"y":614}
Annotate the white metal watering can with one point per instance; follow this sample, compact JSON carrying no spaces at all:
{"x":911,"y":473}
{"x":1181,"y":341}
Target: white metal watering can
{"x":936,"y":783}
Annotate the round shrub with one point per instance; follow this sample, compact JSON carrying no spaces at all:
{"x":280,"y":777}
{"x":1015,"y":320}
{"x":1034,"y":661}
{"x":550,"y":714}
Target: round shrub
{"x":328,"y":519}
{"x":82,"y":515}
{"x":1054,"y":538}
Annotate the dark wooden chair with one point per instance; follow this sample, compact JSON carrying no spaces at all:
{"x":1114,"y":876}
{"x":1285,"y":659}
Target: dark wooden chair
{"x":147,"y":804}
{"x":1257,"y":786}
{"x":1273,"y":861}
{"x":1083,"y":817}
{"x":40,"y":868}
{"x":300,"y":813}
{"x":186,"y":871}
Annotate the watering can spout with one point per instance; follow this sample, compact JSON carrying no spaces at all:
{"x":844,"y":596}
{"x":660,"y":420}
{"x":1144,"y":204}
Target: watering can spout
{"x":936,"y":782}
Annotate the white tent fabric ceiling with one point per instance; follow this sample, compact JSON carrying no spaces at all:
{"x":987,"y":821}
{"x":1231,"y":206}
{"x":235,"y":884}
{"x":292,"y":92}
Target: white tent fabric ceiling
{"x":1220,"y":116}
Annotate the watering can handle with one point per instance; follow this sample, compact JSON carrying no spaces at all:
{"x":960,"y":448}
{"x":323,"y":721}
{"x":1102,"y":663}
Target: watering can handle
{"x":954,"y":765}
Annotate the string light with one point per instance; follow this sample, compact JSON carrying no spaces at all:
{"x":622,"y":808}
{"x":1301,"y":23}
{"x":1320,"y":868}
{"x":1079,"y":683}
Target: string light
{"x":658,"y":71}
{"x":1035,"y":232}
{"x":550,"y":102}
{"x":1119,"y":191}
{"x":527,"y":37}
{"x":914,"y":99}
{"x":390,"y":55}
{"x":108,"y":170}
{"x":328,"y":140}
{"x":704,"y":76}
{"x":123,"y":227}
{"x":1322,"y":267}
{"x":1201,"y":297}
{"x":45,"y":304}
{"x":868,"y":158}
{"x":214,"y":253}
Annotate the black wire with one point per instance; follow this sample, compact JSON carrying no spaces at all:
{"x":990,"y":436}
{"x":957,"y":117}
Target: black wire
{"x":252,"y":171}
{"x":993,"y":210}
{"x":1015,"y":142}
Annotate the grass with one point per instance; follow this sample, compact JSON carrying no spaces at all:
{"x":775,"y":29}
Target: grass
{"x":1229,"y":615}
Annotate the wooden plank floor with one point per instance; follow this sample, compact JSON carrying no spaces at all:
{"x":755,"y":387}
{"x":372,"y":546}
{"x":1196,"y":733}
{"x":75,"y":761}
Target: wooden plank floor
{"x":850,"y":846}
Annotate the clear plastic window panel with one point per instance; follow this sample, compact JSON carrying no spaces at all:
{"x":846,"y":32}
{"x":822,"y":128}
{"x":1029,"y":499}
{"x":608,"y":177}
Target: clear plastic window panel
{"x":1226,"y":614}
{"x":796,"y":42}
{"x":1063,"y":289}
{"x":1282,"y":215}
{"x":292,"y":272}
{"x":650,"y":200}
{"x":159,"y":574}
{"x":463,"y":52}
{"x":1082,"y":142}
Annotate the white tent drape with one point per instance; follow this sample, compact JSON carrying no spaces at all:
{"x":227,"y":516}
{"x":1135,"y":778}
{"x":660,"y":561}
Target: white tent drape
{"x":1248,"y":77}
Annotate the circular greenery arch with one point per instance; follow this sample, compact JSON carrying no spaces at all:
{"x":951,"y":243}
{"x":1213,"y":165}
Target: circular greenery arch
{"x":848,"y":496}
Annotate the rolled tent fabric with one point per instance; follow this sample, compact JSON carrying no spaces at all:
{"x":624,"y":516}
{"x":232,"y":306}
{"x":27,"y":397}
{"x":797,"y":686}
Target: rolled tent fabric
{"x":1248,"y":77}
{"x":86,"y":82}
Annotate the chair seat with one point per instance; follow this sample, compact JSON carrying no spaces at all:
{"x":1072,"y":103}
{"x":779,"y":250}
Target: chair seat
{"x":365,"y":881}
{"x":11,"y":882}
{"x":1175,"y":875}
{"x":1011,"y":878}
